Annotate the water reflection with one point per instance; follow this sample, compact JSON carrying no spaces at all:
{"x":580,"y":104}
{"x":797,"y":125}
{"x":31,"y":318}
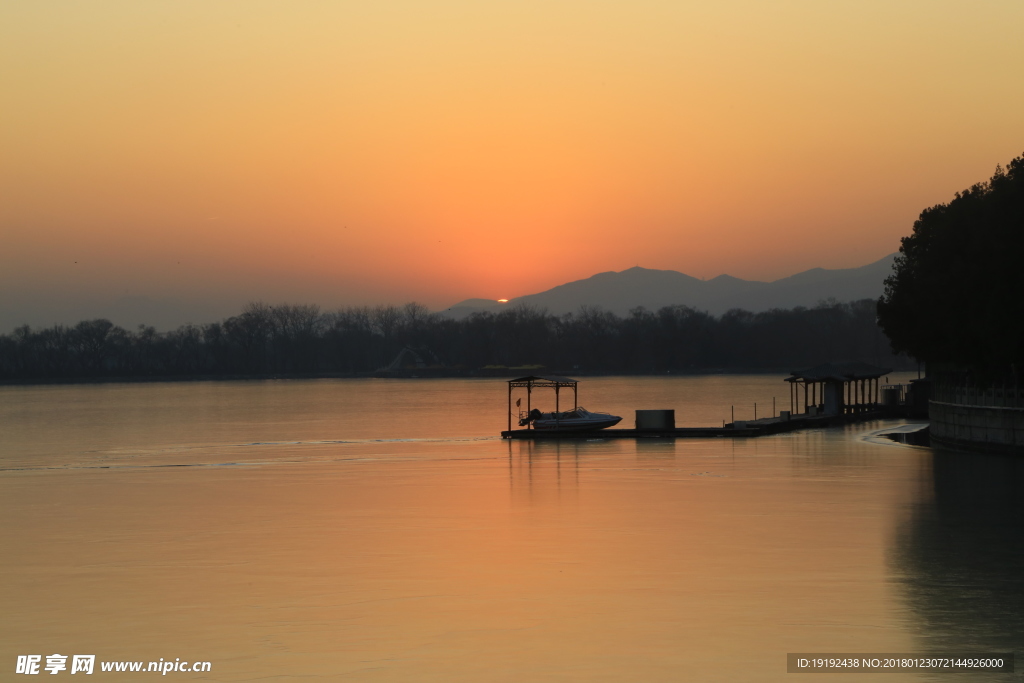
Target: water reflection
{"x":656,"y":449}
{"x":961,"y":556}
{"x":916,"y":437}
{"x":544,"y":470}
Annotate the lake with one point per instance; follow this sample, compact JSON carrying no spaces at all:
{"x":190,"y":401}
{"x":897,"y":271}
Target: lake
{"x":378,"y":530}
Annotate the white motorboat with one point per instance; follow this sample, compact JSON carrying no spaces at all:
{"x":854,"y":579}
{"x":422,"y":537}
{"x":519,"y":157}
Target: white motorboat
{"x":579,"y":419}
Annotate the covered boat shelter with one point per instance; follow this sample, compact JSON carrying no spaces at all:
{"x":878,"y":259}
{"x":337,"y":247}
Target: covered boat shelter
{"x":835,"y":388}
{"x":533,"y":382}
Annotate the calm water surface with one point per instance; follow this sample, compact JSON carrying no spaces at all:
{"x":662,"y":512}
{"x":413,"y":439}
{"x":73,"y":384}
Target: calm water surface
{"x":377,"y":530}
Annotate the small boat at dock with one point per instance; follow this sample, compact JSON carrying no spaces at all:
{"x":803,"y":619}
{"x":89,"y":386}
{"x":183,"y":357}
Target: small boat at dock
{"x":576,"y":420}
{"x":579,"y":419}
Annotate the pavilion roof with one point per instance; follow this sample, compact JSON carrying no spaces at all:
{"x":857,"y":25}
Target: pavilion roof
{"x":549,"y":380}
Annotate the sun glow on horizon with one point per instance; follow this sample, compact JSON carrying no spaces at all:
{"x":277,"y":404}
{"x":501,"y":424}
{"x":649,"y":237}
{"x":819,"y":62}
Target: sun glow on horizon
{"x":353,"y":154}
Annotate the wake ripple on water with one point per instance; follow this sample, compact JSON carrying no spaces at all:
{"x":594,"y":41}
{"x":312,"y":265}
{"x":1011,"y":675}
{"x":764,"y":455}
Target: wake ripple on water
{"x":911,"y":434}
{"x":129,"y":459}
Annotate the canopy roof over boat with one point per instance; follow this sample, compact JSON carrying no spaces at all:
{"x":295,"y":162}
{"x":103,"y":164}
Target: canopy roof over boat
{"x":536,"y":381}
{"x":838,"y":372}
{"x":531,"y":382}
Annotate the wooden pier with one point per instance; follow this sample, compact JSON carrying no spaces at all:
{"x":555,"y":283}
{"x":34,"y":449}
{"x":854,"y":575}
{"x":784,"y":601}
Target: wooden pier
{"x":751,"y":428}
{"x":833,"y":394}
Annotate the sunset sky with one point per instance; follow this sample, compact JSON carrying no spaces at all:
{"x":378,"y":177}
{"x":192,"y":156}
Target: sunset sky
{"x":210,"y":153}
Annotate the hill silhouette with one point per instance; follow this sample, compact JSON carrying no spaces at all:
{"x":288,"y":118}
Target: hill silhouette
{"x":619,"y":292}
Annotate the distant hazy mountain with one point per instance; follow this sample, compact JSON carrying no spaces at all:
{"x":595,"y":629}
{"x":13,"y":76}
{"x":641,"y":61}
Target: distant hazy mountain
{"x":653,"y":289}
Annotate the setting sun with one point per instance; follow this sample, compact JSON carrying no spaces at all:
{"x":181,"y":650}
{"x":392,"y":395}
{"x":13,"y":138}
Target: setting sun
{"x":354,"y":153}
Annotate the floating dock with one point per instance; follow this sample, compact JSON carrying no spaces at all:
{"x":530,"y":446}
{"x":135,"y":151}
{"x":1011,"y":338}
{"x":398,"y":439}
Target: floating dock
{"x":751,"y":428}
{"x":848,"y":393}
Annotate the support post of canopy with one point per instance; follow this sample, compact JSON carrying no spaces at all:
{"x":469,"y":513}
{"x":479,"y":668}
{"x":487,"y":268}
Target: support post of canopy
{"x":557,"y":416}
{"x":529,"y":394}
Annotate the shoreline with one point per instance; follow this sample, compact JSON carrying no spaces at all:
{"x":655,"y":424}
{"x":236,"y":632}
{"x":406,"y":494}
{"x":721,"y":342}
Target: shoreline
{"x":411,"y":375}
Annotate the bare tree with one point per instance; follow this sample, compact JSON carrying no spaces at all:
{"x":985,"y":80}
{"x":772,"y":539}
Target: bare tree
{"x":386,"y":320}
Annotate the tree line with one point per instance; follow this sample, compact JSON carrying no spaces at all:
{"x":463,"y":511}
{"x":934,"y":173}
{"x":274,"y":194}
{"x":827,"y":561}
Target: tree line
{"x":267,"y":340}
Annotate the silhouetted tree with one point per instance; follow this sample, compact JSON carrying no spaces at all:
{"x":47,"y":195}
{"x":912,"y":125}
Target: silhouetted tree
{"x":250,"y":333}
{"x":957,"y":292}
{"x":386,"y":320}
{"x":91,"y":340}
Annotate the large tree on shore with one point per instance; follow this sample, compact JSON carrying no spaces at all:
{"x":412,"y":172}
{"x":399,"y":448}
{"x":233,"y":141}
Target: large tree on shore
{"x":957,"y":291}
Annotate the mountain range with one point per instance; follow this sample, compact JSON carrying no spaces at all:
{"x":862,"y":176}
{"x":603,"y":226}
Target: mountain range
{"x":619,"y":292}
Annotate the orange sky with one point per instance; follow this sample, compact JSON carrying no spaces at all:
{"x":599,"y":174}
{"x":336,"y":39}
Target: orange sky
{"x":343,"y":152}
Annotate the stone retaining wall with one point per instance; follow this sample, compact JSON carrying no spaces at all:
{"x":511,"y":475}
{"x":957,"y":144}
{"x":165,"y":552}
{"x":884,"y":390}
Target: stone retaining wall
{"x":987,"y":428}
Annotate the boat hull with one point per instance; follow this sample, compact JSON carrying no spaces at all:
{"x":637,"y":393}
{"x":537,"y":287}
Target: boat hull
{"x":576,"y":425}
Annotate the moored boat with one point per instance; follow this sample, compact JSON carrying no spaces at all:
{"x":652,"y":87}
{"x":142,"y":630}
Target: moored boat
{"x":578,"y":419}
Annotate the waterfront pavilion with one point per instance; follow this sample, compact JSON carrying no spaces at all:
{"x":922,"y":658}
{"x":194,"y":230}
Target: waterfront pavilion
{"x":835,"y":388}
